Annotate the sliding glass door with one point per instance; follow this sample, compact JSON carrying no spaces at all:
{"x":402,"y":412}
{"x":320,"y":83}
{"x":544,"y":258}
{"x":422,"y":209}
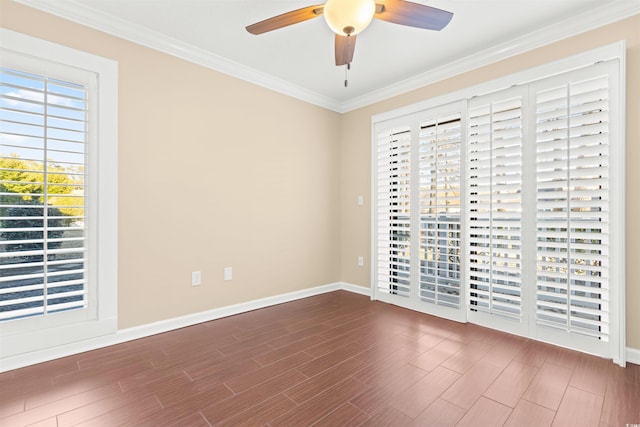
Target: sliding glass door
{"x":499,"y":210}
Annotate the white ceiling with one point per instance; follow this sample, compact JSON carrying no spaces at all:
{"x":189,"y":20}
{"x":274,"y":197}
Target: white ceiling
{"x":298,"y":60}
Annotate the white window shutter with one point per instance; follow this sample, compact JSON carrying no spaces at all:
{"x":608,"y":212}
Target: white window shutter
{"x":393,"y":211}
{"x":494,"y":158}
{"x":572,"y":144}
{"x":440,"y":209}
{"x":42,"y":204}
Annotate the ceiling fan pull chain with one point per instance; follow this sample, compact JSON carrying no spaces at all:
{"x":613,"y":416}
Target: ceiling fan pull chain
{"x":346,"y":68}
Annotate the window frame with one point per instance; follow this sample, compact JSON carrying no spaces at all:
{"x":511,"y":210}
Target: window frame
{"x":24,"y":337}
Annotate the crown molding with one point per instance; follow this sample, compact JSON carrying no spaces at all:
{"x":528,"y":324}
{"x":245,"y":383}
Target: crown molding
{"x":76,"y":11}
{"x":587,"y":21}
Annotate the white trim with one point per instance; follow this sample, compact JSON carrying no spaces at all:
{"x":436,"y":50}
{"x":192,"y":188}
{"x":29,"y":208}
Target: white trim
{"x":356,"y":289}
{"x":633,"y":355}
{"x":619,"y":264}
{"x":77,"y":12}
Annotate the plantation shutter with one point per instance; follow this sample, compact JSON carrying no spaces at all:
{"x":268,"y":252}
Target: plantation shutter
{"x":507,"y":209}
{"x":42,"y":195}
{"x":573,"y":194}
{"x":393,"y":209}
{"x":440,"y":210}
{"x":495,"y":204}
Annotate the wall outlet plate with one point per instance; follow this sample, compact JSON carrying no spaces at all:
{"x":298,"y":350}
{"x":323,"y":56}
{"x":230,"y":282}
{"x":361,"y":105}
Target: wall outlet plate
{"x":196,"y":278}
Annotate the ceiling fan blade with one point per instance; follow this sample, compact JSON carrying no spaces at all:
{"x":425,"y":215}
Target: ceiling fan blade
{"x":286,"y":19}
{"x":345,"y":45}
{"x":412,"y":14}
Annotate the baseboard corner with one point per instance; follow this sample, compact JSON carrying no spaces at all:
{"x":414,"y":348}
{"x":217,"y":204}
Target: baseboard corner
{"x":356,"y":289}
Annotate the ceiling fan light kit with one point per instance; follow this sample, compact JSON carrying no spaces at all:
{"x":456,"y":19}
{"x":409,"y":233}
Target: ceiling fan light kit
{"x":349,"y":17}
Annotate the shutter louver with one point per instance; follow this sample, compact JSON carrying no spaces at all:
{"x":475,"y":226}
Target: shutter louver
{"x":572,"y":145}
{"x":42,"y":190}
{"x":495,"y":201}
{"x":440,"y":186}
{"x":394,"y":211}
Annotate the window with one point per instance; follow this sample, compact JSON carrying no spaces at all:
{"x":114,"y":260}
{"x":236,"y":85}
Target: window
{"x":57,"y":195}
{"x":42,"y":228}
{"x":506,"y":209}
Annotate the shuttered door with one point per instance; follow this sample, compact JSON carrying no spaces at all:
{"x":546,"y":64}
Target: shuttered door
{"x":495,"y":206}
{"x":529,"y":182}
{"x":573,"y":186}
{"x":42,"y":155}
{"x":440,"y":210}
{"x":393,"y":211}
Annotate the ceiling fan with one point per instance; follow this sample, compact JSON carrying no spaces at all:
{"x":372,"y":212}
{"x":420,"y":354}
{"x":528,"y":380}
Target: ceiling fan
{"x":347,"y":18}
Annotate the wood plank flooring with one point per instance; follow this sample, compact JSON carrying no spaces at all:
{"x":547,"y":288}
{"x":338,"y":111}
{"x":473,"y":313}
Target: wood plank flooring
{"x":336,"y":359}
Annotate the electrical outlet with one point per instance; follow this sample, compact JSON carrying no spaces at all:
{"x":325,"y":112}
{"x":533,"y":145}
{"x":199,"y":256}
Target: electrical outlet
{"x":360,"y":261}
{"x":360,"y":200}
{"x":228,"y":273}
{"x":196,"y":278}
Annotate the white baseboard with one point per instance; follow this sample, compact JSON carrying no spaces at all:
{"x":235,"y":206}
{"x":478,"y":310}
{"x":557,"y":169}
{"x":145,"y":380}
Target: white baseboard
{"x":26,"y":359}
{"x":356,"y":289}
{"x":129,"y":334}
{"x":633,"y":355}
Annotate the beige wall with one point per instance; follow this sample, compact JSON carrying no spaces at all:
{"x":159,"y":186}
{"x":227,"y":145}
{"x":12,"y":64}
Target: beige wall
{"x":213,"y":172}
{"x":216,"y":172}
{"x":356,"y":152}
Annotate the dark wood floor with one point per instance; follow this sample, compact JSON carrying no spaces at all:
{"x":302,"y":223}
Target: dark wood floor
{"x":336,"y":359}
